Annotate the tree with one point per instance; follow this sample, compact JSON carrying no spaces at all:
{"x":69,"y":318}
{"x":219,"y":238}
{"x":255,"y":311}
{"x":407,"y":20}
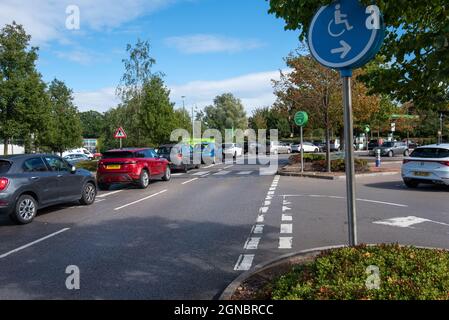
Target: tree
{"x":414,"y":61}
{"x":23,"y":103}
{"x":92,"y":123}
{"x":227,"y":112}
{"x":65,"y":121}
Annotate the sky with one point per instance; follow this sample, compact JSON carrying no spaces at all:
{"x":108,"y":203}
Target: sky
{"x":204,"y":47}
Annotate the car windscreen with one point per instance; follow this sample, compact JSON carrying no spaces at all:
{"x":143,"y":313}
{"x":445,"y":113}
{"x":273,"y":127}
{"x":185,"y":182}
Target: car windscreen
{"x":118,"y":155}
{"x":430,"y":153}
{"x":388,"y":145}
{"x":4,"y":166}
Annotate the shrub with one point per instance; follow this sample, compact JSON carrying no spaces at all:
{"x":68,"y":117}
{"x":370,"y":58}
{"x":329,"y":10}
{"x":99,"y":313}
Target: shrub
{"x":308,"y":157}
{"x":340,"y":165}
{"x":405,"y":273}
{"x":88,"y":165}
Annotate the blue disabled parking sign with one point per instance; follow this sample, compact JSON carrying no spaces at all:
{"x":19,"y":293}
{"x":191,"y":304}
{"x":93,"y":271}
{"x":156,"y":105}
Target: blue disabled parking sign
{"x":346,"y":35}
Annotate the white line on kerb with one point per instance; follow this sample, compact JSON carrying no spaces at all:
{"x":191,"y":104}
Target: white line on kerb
{"x":138,"y":201}
{"x":109,"y":194}
{"x":33,"y":243}
{"x":189,"y":181}
{"x":244,"y":262}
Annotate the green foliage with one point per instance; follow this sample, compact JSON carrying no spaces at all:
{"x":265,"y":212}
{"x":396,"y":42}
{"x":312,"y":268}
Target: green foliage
{"x":308,"y":157}
{"x":65,"y":122}
{"x":339,"y":165}
{"x":92,"y":123}
{"x":406,"y":273}
{"x":91,"y":166}
{"x":414,"y":61}
{"x":24,"y":107}
{"x":226,"y":113}
{"x":271,"y":118}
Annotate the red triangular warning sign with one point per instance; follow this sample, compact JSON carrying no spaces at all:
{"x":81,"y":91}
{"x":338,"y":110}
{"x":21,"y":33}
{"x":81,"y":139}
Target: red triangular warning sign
{"x":120,"y":134}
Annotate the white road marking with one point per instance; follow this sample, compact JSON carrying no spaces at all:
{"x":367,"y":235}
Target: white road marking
{"x":268,"y":198}
{"x":286,"y":228}
{"x":245,"y":173}
{"x":285,"y":209}
{"x":244,"y":262}
{"x":270,"y":193}
{"x":407,"y":222}
{"x":141,"y":200}
{"x":201,"y":173}
{"x":228,"y":167}
{"x":33,"y":243}
{"x":273,"y":189}
{"x":222,"y":173}
{"x":386,"y":203}
{"x":286,"y":217}
{"x":210,"y":166}
{"x":264,"y":210}
{"x":260,"y":218}
{"x":267,"y":203}
{"x":177,"y":174}
{"x":258,"y":229}
{"x":286,"y":203}
{"x":342,"y":198}
{"x":285,"y":242}
{"x":252,"y":243}
{"x":189,"y":181}
{"x":109,"y":194}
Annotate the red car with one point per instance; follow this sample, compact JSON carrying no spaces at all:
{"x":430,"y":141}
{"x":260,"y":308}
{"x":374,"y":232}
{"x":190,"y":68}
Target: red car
{"x":131,"y":166}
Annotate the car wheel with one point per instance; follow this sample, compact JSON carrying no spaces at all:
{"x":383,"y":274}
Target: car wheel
{"x":167,"y":174}
{"x":406,"y":153}
{"x":413,"y":184}
{"x":390,"y":154}
{"x":317,"y":150}
{"x":144,"y":180}
{"x":89,"y":194}
{"x":25,"y":210}
{"x":103,"y":187}
{"x":185,"y":168}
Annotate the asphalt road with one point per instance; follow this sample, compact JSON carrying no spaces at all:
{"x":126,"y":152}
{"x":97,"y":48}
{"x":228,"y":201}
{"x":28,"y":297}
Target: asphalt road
{"x":190,"y":237}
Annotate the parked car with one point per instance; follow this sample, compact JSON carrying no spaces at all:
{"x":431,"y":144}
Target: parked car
{"x":79,"y":151}
{"x":132,"y":166}
{"x":284,"y":147}
{"x":29,"y":183}
{"x":208,"y":152}
{"x":307,"y":146}
{"x":428,"y":164}
{"x":180,"y":156}
{"x":231,"y":149}
{"x":411,"y":144}
{"x":391,"y":149}
{"x":76,"y":158}
{"x":373,"y":144}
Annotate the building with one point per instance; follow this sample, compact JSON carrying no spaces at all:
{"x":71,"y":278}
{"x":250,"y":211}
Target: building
{"x":90,"y":144}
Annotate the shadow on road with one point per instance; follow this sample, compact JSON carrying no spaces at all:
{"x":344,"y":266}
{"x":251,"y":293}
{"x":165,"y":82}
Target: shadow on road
{"x":399,"y":185}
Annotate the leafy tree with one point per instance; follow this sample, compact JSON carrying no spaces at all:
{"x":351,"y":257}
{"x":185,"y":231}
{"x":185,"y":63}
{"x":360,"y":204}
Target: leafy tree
{"x":259,"y":119}
{"x":23,"y":103}
{"x":65,"y":121}
{"x":227,"y":112}
{"x":414,"y":61}
{"x":92,"y":123}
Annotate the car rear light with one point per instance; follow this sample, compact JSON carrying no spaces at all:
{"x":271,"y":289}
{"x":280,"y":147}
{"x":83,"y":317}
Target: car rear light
{"x":3,"y":184}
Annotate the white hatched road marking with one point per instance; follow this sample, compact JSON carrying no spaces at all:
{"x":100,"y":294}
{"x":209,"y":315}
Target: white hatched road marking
{"x":222,"y":173}
{"x":252,"y":243}
{"x":33,"y":243}
{"x":210,"y":166}
{"x":285,"y":242}
{"x":286,"y":218}
{"x":286,"y":228}
{"x":227,"y":167}
{"x":201,"y":173}
{"x":245,"y":173}
{"x":141,"y":200}
{"x":245,"y":262}
{"x":190,"y":181}
{"x":258,"y":229}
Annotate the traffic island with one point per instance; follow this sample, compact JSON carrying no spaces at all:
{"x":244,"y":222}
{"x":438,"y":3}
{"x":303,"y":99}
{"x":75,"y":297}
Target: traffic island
{"x":365,"y":272}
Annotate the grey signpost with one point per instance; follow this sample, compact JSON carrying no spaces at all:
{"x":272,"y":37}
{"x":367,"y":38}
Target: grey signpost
{"x":346,"y":35}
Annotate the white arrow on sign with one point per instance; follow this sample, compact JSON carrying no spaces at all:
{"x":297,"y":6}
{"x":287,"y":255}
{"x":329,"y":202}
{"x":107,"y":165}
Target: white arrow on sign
{"x":344,"y":50}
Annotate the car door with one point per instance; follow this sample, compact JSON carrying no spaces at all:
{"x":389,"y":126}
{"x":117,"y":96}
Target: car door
{"x":70,"y":184}
{"x":40,"y":180}
{"x":154,"y":162}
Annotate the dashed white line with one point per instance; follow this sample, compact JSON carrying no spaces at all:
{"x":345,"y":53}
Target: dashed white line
{"x":141,"y":200}
{"x":33,"y":243}
{"x":210,"y":166}
{"x":258,"y":229}
{"x":252,"y":243}
{"x":286,"y":228}
{"x":285,"y":243}
{"x":286,"y":217}
{"x":109,"y":194}
{"x":264,"y":210}
{"x":222,"y":173}
{"x":177,"y":174}
{"x":260,"y":218}
{"x":190,"y":181}
{"x":245,"y":173}
{"x":201,"y":173}
{"x":227,"y":167}
{"x":245,"y":262}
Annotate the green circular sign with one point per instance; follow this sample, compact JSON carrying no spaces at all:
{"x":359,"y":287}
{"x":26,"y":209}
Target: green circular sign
{"x":301,"y":118}
{"x":367,"y":129}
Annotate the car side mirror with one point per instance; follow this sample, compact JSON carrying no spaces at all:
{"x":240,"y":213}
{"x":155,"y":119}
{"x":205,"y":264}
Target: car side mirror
{"x":73,"y":170}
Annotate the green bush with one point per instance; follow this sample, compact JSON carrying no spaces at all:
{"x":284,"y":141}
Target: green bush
{"x":308,"y":157}
{"x":87,"y":165}
{"x":405,"y":273}
{"x":340,"y":165}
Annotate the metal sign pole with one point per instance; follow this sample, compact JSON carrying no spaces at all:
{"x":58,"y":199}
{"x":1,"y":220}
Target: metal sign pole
{"x":350,"y":170}
{"x":302,"y":150}
{"x":120,"y":144}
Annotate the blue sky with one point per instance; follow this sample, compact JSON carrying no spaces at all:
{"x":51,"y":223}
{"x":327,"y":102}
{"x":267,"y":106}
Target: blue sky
{"x":205,"y":47}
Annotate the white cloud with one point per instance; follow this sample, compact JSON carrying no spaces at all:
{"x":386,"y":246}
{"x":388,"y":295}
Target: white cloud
{"x":206,"y":43}
{"x":45,"y":19}
{"x":255,"y":90}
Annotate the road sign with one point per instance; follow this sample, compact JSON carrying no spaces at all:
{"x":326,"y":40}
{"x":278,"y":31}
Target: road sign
{"x":393,"y":127}
{"x":120,"y":134}
{"x":367,"y":129}
{"x":301,"y":119}
{"x":346,"y":35}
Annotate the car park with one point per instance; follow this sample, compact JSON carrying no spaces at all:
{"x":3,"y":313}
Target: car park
{"x":391,"y":149}
{"x":373,"y":144}
{"x":132,"y":166}
{"x":181,"y":156}
{"x":308,"y":147}
{"x":428,"y":164}
{"x":76,"y":158}
{"x":29,"y":183}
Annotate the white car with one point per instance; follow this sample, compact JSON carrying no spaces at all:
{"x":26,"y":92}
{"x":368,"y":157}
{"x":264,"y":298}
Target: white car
{"x":232,"y":149}
{"x":79,"y":151}
{"x":307,"y":146}
{"x":427,"y":164}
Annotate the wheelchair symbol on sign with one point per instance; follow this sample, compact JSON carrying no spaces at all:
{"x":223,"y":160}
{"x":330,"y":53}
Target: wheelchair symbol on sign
{"x":340,"y":18}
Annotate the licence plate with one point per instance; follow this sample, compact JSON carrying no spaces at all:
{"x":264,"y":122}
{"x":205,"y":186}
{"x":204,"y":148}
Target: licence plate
{"x":113,"y":167}
{"x":422,"y":174}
